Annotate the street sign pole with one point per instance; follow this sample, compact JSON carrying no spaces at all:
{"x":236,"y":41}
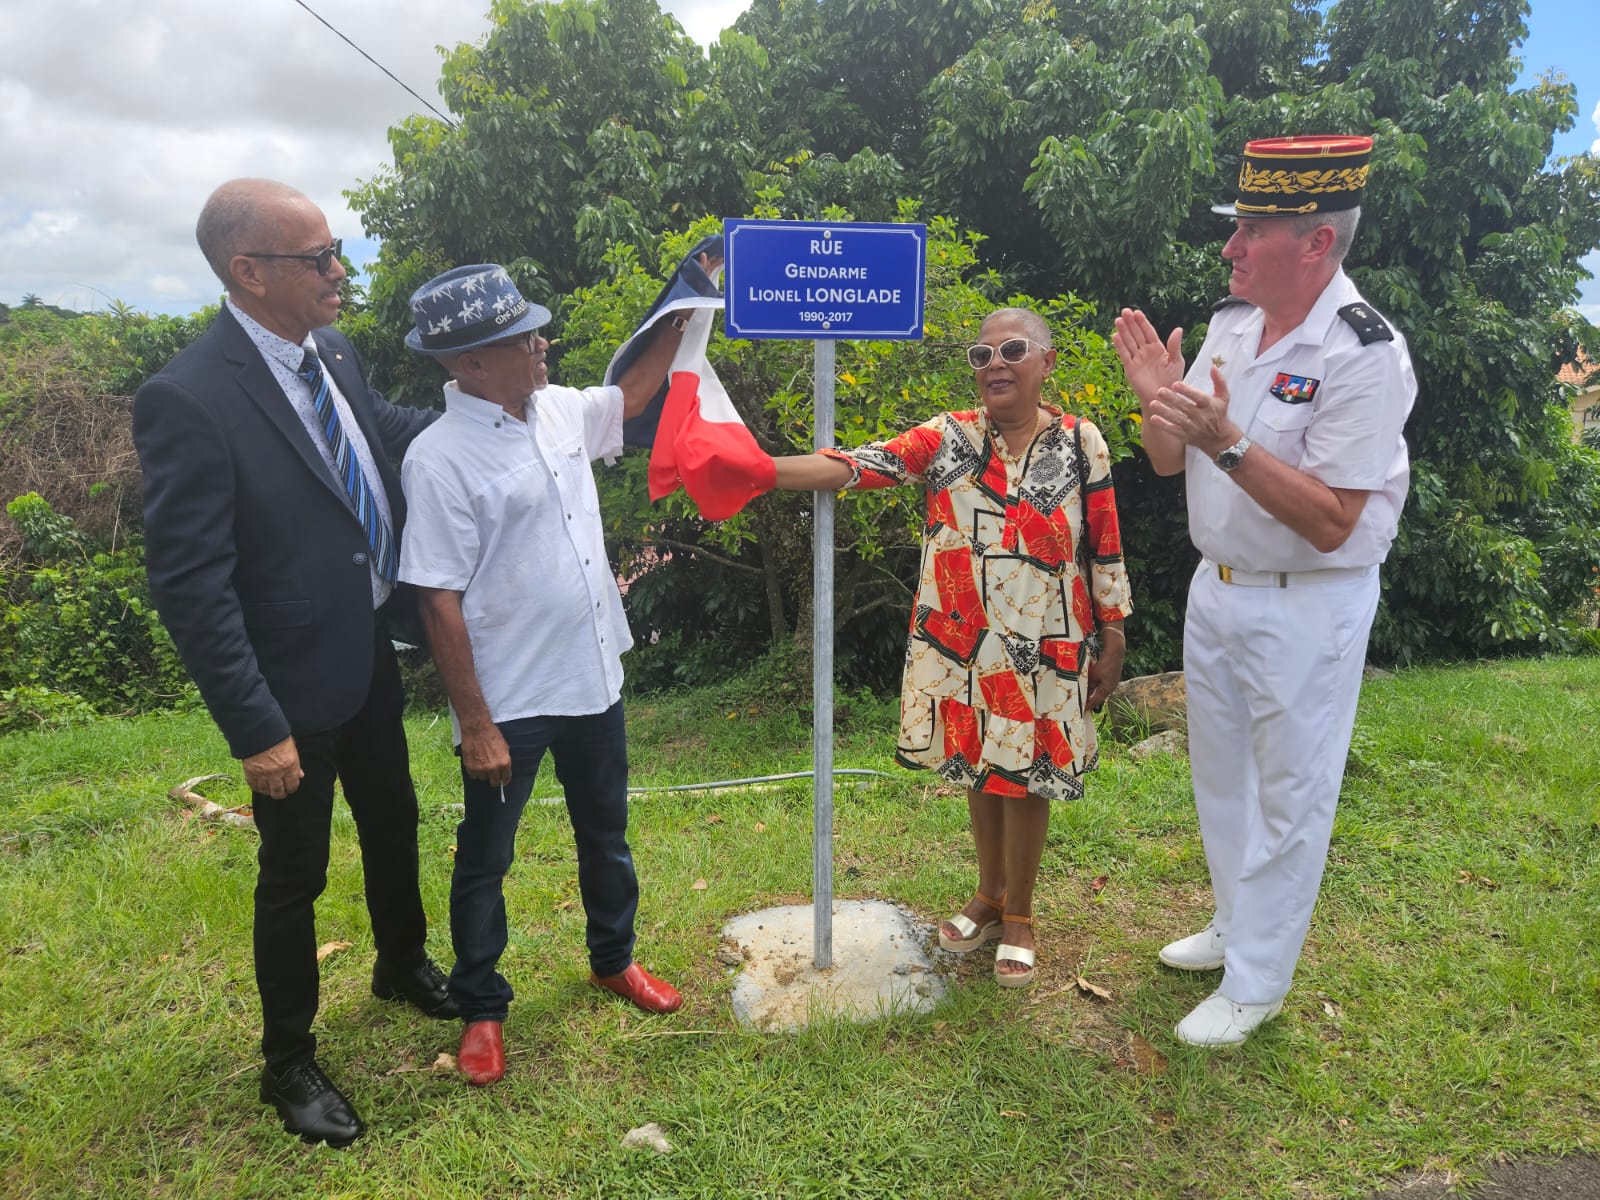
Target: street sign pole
{"x":822,"y":674}
{"x":824,"y":282}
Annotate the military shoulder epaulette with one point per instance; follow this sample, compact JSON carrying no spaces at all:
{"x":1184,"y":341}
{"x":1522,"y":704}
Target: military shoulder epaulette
{"x":1228,"y":302}
{"x":1369,"y":326}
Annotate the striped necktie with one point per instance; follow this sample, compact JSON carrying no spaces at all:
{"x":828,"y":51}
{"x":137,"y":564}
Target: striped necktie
{"x":348,"y":468}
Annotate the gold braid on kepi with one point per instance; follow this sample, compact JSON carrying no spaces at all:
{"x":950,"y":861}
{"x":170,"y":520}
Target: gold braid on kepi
{"x":1291,"y":176}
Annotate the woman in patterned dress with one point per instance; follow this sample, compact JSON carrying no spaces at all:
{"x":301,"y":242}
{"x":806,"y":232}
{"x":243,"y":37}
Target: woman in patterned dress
{"x":999,"y":681}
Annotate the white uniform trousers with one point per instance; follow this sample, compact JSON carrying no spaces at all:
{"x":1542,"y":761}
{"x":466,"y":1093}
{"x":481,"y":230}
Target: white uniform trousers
{"x":1273,"y":676}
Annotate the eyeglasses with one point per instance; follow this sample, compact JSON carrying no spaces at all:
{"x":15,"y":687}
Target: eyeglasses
{"x":1012,"y":350}
{"x":528,"y":342}
{"x":323,"y":258}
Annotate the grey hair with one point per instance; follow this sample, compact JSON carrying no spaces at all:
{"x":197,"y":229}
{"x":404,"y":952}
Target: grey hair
{"x":1343,"y":223}
{"x":233,"y":215}
{"x":1038,"y":328}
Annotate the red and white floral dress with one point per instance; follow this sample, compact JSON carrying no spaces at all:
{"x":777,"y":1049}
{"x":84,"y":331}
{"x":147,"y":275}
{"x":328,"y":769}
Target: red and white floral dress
{"x":996,"y":674}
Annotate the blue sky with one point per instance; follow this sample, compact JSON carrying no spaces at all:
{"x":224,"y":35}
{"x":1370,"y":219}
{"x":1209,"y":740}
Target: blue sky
{"x":1564,"y":35}
{"x":110,"y":150}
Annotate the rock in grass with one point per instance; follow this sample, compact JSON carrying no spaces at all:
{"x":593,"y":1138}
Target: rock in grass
{"x":1149,"y":704}
{"x":647,"y":1137}
{"x":1168,"y":741}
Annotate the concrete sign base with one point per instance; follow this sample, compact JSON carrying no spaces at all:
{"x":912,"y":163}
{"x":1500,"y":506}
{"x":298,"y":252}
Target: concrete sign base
{"x":880,"y":965}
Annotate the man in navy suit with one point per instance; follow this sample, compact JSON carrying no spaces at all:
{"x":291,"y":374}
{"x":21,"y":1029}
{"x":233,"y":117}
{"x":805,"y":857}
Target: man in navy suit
{"x":272,"y":525}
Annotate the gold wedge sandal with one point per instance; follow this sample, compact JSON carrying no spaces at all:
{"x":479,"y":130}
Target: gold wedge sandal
{"x":1016,"y":954}
{"x":973,"y":935}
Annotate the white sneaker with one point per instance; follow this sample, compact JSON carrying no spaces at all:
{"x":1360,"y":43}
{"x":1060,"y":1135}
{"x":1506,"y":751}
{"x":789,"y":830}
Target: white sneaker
{"x":1198,"y":952}
{"x":1218,"y":1021}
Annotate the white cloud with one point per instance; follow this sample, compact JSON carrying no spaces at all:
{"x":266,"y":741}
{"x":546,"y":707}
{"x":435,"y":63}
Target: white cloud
{"x":118,"y":119}
{"x":703,"y":20}
{"x":1594,"y":117}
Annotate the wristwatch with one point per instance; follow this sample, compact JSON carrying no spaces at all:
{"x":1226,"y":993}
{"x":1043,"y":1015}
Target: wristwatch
{"x":1234,"y":455}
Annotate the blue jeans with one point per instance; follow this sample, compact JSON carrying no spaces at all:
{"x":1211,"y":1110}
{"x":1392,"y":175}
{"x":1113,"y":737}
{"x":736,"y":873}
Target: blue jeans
{"x":591,"y":760}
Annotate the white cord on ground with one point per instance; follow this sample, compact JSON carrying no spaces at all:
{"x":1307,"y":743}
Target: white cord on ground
{"x":750,"y":782}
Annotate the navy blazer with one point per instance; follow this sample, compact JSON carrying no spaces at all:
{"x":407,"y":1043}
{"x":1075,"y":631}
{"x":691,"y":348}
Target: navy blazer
{"x":257,"y":563}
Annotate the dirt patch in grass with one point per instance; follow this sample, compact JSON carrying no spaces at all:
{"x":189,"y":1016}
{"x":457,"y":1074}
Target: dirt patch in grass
{"x":1574,"y":1178}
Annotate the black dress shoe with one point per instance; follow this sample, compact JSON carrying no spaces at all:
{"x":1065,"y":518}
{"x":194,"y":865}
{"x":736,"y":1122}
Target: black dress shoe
{"x":421,"y":984}
{"x":311,"y":1106}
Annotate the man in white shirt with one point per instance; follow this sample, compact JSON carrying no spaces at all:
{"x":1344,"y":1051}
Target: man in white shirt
{"x":1289,"y":429}
{"x":525,"y":622}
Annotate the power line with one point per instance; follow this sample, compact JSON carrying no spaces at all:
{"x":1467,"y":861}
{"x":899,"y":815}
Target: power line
{"x":376,"y":63}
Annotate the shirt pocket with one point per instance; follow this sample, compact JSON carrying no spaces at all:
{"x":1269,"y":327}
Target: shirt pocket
{"x":1281,"y":429}
{"x":569,"y":460}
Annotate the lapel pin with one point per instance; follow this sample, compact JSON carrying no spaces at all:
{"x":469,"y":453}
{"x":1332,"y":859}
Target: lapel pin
{"x":1218,"y":361}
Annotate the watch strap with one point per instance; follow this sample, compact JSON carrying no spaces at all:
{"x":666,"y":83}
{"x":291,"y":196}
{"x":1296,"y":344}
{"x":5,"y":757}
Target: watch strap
{"x":1230,"y":458}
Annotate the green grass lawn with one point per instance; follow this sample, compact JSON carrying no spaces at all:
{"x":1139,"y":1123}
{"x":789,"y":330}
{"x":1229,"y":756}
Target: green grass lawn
{"x":1446,"y":1011}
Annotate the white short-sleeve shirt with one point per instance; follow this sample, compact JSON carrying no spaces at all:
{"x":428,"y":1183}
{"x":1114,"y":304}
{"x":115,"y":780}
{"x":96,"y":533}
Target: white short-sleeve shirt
{"x":506,"y":513}
{"x":1322,"y":402}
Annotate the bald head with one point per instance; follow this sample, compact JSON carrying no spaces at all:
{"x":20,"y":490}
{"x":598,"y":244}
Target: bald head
{"x":244,"y":215}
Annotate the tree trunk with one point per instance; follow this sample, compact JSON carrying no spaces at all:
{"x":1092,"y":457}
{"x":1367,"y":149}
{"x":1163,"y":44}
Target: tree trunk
{"x":803,"y":657}
{"x":776,"y":618}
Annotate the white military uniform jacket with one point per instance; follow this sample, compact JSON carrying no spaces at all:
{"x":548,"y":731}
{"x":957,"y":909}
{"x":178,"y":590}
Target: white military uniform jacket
{"x":1321,"y":401}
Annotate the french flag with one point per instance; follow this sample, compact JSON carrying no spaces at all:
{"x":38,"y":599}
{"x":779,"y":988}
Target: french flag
{"x":694,"y":434}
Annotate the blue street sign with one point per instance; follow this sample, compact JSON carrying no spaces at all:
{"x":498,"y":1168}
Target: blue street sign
{"x":807,"y":279}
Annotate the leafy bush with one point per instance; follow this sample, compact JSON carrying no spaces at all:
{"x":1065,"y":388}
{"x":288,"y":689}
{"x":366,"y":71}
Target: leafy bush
{"x":27,"y":706}
{"x":77,"y":631}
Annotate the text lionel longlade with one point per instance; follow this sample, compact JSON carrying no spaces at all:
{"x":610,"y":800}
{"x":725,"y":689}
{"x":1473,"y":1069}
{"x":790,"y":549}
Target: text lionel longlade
{"x":825,"y":295}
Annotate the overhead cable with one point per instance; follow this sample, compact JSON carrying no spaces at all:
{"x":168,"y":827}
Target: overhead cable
{"x":376,"y":63}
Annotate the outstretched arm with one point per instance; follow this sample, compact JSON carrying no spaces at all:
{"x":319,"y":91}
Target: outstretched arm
{"x":812,"y":473}
{"x":645,"y":375}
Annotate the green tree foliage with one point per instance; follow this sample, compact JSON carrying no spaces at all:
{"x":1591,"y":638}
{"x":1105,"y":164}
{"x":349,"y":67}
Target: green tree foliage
{"x":1135,"y":114}
{"x":567,"y":114}
{"x":1084,"y":141}
{"x":77,"y":633}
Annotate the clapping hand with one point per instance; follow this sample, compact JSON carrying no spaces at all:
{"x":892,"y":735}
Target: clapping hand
{"x":1197,"y":418}
{"x":1149,"y":363}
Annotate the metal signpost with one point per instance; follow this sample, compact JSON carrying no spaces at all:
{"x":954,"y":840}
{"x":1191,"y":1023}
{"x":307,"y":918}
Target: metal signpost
{"x":805,"y":279}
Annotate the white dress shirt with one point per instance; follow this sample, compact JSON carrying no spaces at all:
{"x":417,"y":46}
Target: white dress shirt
{"x":506,"y":513}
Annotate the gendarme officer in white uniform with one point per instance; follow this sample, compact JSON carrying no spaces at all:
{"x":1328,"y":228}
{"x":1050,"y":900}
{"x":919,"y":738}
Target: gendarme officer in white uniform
{"x":1289,"y":427}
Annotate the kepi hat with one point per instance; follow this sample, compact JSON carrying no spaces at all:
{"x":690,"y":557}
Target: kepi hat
{"x":1294,"y":176}
{"x":468,"y":307}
